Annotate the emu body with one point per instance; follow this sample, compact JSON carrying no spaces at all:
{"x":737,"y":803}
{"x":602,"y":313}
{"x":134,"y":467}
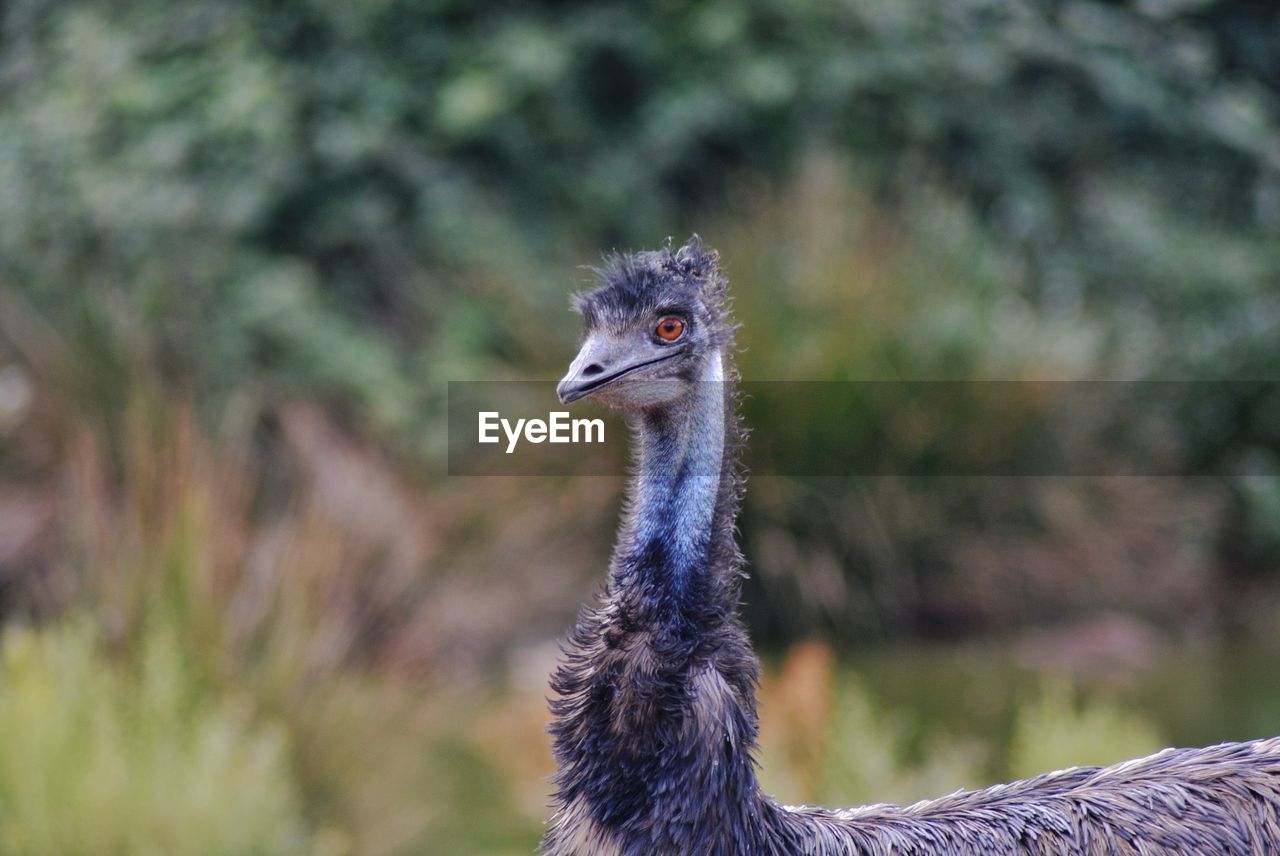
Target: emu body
{"x":654,"y":711}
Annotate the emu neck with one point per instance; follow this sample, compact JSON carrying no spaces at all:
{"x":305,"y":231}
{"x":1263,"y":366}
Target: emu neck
{"x":665,"y":561}
{"x":655,"y":707}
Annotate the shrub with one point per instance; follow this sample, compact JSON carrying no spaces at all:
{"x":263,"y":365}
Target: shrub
{"x":1055,"y":730}
{"x":104,"y":756}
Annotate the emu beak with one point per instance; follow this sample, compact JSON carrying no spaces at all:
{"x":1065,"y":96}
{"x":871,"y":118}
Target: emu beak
{"x":603,"y":360}
{"x":590,"y":370}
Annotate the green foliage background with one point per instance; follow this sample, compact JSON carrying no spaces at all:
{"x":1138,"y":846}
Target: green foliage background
{"x":311,"y":190}
{"x":243,"y":246}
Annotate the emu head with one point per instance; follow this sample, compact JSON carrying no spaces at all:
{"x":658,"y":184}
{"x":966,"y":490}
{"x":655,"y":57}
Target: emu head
{"x":655,"y":327}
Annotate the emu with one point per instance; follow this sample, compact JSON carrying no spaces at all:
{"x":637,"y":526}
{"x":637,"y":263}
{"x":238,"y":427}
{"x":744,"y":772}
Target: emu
{"x":654,"y":712}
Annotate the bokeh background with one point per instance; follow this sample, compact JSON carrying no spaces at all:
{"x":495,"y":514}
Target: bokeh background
{"x":244,"y":246}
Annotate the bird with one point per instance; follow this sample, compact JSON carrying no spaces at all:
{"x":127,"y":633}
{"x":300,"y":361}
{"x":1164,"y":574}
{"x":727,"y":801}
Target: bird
{"x":654,"y":720}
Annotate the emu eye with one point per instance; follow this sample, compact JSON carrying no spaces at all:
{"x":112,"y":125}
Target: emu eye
{"x":670,"y":328}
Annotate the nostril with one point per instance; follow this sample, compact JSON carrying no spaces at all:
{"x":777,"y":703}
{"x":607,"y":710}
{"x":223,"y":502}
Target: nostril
{"x":593,"y":369}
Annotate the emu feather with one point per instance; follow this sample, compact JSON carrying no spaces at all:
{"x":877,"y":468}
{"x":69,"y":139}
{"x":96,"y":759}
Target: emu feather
{"x":654,"y":708}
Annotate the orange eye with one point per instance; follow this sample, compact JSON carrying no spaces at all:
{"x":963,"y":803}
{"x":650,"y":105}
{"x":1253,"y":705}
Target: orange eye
{"x":670,"y":328}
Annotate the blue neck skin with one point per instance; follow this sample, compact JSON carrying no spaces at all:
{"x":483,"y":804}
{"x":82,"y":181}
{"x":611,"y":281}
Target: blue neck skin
{"x":664,"y":555}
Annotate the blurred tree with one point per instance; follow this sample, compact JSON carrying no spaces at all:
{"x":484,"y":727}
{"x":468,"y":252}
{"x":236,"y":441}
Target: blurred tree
{"x":268,"y":180}
{"x":353,"y":201}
